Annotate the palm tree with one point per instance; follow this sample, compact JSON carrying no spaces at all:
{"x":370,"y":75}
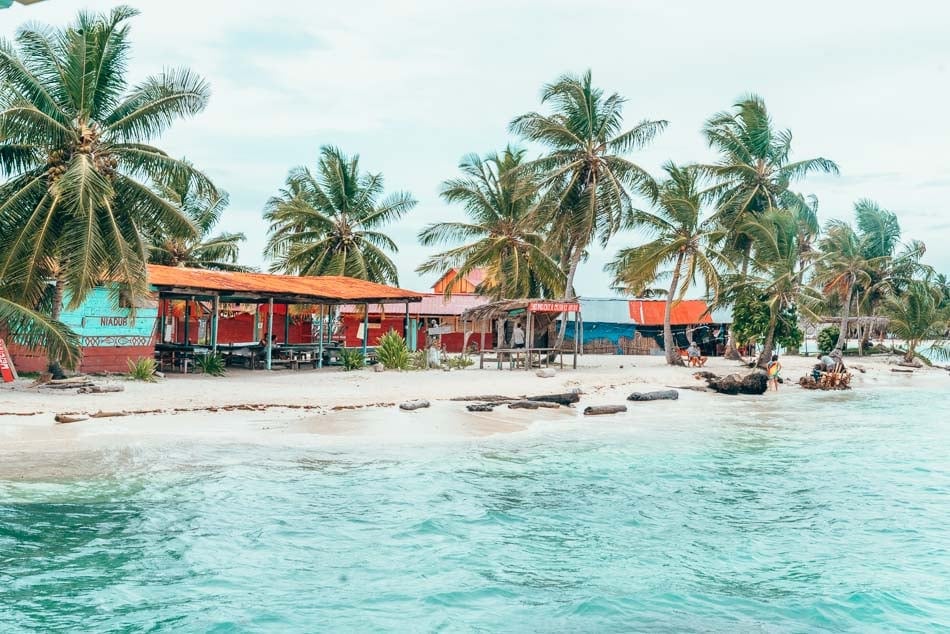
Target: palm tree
{"x":916,"y":316}
{"x":774,"y":272}
{"x":201,"y":251}
{"x":33,"y":329}
{"x":328,"y":223}
{"x":74,"y":149}
{"x":754,"y":169}
{"x":753,"y":172}
{"x":682,"y":239}
{"x":500,"y":199}
{"x":844,"y":269}
{"x":587,"y":177}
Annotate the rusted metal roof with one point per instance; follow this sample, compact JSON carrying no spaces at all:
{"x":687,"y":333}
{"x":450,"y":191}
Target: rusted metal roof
{"x":431,"y":304}
{"x":295,"y":289}
{"x":649,"y":312}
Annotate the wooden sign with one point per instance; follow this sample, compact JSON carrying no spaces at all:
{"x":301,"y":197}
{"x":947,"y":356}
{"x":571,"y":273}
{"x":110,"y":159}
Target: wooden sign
{"x":554,"y":307}
{"x":7,"y":371}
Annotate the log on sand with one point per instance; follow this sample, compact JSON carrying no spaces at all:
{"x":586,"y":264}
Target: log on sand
{"x":100,"y":389}
{"x":409,"y":406}
{"x":659,"y":395}
{"x":567,"y":398}
{"x":599,"y":410}
{"x":67,"y":418}
{"x":481,"y":407}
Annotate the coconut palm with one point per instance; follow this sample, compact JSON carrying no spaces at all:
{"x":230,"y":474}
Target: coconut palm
{"x":329,"y":223}
{"x":74,"y":147}
{"x":752,"y":173}
{"x":774,"y":273}
{"x":754,"y":169}
{"x":33,"y":329}
{"x":201,"y":250}
{"x":502,"y":236}
{"x":916,"y":316}
{"x":681,"y":239}
{"x":587,"y":176}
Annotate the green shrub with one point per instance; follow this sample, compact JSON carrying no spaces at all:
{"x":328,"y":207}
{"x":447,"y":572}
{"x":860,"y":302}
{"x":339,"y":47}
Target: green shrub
{"x":392,"y":351}
{"x":142,"y":369}
{"x":417,"y":360}
{"x":352,"y":359}
{"x":210,"y":363}
{"x":460,"y":362}
{"x":827,"y":338}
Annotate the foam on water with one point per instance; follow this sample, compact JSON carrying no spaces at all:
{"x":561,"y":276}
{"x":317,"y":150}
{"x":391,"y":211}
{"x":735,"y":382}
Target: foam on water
{"x":793,"y":513}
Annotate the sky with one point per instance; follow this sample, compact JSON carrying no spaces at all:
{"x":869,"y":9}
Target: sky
{"x":412,"y":87}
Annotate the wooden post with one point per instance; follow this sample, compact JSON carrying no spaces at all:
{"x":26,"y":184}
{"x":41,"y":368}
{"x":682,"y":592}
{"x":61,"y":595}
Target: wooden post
{"x":577,"y":336}
{"x":286,"y":323}
{"x":365,"y":328}
{"x":270,"y":329}
{"x":215,"y":310}
{"x":528,"y":340}
{"x":187,"y":318}
{"x":162,"y":309}
{"x":320,"y":345}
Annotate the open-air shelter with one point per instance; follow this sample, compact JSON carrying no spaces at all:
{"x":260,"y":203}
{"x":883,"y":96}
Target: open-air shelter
{"x":537,"y":314}
{"x":224,"y":287}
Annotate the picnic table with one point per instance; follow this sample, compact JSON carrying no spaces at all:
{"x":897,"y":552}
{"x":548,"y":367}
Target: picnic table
{"x":523,"y":357}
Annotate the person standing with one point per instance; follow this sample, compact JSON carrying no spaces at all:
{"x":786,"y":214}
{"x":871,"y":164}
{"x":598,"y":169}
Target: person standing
{"x":774,"y":369}
{"x":517,"y":336}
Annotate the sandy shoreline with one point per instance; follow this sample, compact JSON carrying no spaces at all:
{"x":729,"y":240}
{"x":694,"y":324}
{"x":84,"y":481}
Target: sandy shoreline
{"x":321,"y":407}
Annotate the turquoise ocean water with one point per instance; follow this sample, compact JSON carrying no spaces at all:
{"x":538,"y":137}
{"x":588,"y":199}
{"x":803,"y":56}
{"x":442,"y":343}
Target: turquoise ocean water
{"x":792,"y":514}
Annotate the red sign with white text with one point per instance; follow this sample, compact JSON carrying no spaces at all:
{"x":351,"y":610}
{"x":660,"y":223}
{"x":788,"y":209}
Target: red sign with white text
{"x":7,"y":371}
{"x":554,"y":307}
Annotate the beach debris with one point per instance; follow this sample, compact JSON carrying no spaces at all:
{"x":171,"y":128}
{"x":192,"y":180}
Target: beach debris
{"x":753,"y":383}
{"x":567,"y":398}
{"x":659,"y":395}
{"x":379,"y":367}
{"x":100,"y":389}
{"x":524,"y":405}
{"x":907,"y":371}
{"x":481,"y":407}
{"x":102,"y":414}
{"x":600,"y":410}
{"x":67,"y":384}
{"x":546,"y":373}
{"x":42,"y":379}
{"x":409,"y":406}
{"x":485,"y":397}
{"x":827,"y":381}
{"x":705,"y":374}
{"x":68,"y":418}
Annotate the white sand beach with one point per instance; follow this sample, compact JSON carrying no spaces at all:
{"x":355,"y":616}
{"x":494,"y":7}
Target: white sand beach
{"x":287,"y":407}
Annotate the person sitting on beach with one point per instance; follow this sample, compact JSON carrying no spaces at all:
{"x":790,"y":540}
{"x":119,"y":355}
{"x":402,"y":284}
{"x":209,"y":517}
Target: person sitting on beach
{"x":694,"y":355}
{"x":517,"y":337}
{"x":827,"y":363}
{"x":774,"y":370}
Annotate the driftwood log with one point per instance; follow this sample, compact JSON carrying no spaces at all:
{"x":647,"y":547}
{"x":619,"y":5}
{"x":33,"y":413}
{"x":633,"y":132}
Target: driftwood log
{"x":567,"y":398}
{"x":524,"y":405}
{"x":599,"y":410}
{"x":67,"y":418}
{"x":481,"y":407}
{"x":409,"y":406}
{"x":102,"y":414}
{"x":906,"y":371}
{"x":100,"y":389}
{"x":753,"y":383}
{"x":659,"y":395}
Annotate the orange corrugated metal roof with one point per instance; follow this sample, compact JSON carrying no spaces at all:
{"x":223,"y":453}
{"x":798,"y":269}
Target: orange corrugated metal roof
{"x":649,"y":312}
{"x":326,"y":288}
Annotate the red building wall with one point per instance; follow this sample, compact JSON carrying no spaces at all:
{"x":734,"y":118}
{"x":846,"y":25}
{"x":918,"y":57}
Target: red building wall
{"x":452,"y":341}
{"x":94,"y":358}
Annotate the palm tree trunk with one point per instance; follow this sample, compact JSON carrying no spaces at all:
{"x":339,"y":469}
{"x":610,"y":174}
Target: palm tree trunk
{"x":672,"y":354}
{"x":732,"y":352}
{"x":55,"y":312}
{"x":568,"y":294}
{"x":766,"y":355}
{"x":846,"y":313}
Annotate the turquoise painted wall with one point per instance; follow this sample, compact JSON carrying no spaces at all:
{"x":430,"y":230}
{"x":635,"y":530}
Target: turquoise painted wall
{"x":101,"y":324}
